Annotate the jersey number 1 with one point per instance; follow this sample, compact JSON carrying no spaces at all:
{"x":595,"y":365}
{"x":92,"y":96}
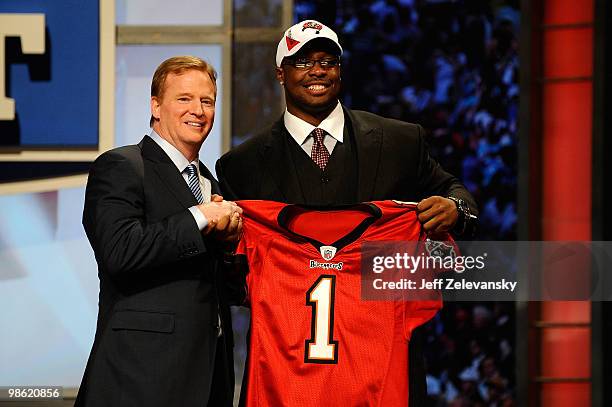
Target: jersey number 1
{"x":321,"y":348}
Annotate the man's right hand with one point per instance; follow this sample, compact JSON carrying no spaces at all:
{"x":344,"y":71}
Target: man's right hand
{"x":221,"y":216}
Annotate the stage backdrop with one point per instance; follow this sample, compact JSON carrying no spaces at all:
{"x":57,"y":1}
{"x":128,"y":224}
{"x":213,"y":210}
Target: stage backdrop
{"x":48,"y":274}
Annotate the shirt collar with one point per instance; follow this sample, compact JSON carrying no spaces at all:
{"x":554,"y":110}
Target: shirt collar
{"x":333,"y":124}
{"x":175,"y":155}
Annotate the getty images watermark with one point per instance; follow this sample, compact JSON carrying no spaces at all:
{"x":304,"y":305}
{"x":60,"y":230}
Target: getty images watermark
{"x":486,"y":271}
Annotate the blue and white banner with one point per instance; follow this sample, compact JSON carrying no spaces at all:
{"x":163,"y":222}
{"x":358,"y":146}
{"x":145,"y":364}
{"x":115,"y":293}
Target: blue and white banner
{"x":56,"y":86}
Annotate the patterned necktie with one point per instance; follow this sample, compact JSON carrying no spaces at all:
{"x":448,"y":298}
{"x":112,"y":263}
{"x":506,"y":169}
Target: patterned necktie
{"x":319,"y":153}
{"x":194,"y":182}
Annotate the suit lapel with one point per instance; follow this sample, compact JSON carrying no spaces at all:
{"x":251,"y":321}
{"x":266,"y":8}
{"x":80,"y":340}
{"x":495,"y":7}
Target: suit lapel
{"x":368,"y":142}
{"x":215,"y":189}
{"x":167,"y":172}
{"x":280,"y":168}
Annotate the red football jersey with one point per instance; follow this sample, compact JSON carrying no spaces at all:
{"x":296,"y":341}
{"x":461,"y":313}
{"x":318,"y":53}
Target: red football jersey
{"x":314,"y":341}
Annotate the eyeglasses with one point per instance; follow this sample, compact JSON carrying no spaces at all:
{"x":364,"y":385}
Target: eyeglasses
{"x":304,"y":64}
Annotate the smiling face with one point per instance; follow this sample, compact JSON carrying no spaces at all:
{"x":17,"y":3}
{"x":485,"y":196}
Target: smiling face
{"x":185,"y":111}
{"x":311,"y":94}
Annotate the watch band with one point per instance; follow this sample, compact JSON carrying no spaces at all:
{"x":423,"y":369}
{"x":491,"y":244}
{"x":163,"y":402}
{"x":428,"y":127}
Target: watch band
{"x":466,"y":222}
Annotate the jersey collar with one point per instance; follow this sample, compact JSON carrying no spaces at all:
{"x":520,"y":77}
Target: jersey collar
{"x":289,"y":211}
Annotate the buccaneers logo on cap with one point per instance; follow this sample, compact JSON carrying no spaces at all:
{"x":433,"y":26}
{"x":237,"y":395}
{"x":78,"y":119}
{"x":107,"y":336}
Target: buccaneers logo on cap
{"x":311,"y":24}
{"x":290,"y":41}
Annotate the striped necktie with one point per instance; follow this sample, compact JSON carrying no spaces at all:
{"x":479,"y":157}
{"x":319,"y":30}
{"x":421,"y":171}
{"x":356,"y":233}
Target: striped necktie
{"x":194,"y":182}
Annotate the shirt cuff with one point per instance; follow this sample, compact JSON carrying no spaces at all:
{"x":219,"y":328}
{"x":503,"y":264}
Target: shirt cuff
{"x":199,"y":217}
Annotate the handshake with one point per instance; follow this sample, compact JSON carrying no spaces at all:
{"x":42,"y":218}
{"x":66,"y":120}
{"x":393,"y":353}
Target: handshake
{"x":224,"y":219}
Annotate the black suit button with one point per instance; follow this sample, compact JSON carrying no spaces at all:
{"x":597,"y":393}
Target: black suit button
{"x":189,"y":252}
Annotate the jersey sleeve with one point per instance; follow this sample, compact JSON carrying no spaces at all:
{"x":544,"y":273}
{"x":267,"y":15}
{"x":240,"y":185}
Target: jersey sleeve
{"x":417,"y":313}
{"x":420,"y":311}
{"x":250,"y":252}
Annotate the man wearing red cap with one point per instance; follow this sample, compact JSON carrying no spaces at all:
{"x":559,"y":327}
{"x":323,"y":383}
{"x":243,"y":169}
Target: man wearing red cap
{"x":321,"y":153}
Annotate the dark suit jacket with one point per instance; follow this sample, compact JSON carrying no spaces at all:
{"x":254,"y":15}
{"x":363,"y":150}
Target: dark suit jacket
{"x":160,"y":289}
{"x":392,"y":155}
{"x":393,"y":163}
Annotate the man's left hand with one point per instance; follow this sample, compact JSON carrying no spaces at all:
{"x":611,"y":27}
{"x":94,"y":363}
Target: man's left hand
{"x":437,"y":215}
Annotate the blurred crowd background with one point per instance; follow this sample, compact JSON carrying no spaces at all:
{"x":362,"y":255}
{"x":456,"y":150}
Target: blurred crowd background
{"x":451,"y":66}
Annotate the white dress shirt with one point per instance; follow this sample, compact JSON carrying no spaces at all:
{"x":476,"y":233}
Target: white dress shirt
{"x":300,"y":130}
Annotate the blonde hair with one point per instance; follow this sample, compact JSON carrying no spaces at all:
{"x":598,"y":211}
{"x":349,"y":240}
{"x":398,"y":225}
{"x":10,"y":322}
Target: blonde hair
{"x":178,"y":65}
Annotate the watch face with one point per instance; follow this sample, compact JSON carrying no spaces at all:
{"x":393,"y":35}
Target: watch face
{"x":458,"y":202}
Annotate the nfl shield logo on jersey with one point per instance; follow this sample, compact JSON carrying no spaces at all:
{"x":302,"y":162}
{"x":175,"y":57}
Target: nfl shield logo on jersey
{"x":328,"y":252}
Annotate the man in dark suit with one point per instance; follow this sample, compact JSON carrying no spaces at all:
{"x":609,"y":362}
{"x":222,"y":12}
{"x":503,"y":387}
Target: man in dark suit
{"x":158,"y":229}
{"x":322,"y":153}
